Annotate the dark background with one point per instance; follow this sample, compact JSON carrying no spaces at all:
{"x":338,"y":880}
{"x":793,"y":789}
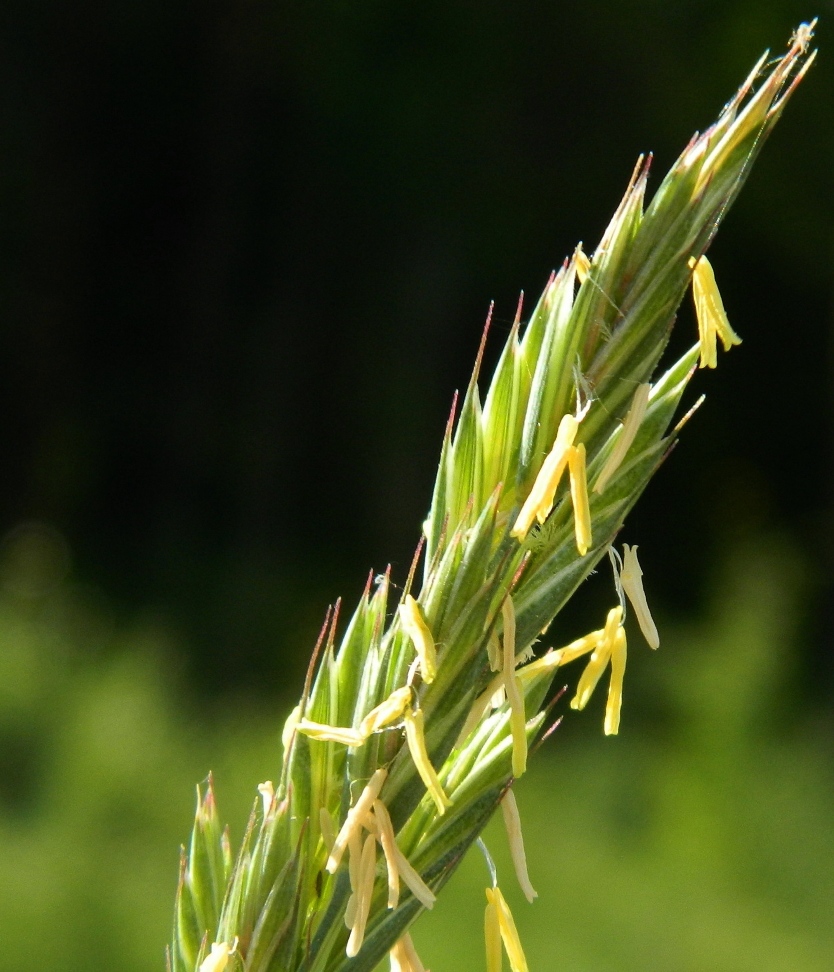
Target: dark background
{"x":246,"y":250}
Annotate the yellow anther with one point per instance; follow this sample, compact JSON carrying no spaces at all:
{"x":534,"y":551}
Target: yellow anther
{"x":539,"y":502}
{"x":387,"y":712}
{"x":598,"y":661}
{"x":709,"y":309}
{"x":492,"y":935}
{"x":353,"y":821}
{"x":582,"y":263}
{"x":389,"y":849}
{"x":412,"y":880}
{"x":615,"y":687}
{"x":512,"y":822}
{"x":631,"y":577}
{"x":218,"y":958}
{"x":417,"y":746}
{"x":579,"y":498}
{"x":627,"y":434}
{"x":337,"y":734}
{"x":414,"y":625}
{"x":509,"y":933}
{"x":364,"y":893}
{"x":518,"y":721}
{"x":267,"y":792}
{"x":404,"y":957}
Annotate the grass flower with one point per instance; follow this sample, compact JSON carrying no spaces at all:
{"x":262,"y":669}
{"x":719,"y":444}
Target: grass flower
{"x":417,"y":714}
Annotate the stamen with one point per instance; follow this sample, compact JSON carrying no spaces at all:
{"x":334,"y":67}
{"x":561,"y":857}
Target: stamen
{"x":579,"y":498}
{"x":389,"y":846}
{"x":518,"y":721}
{"x":579,"y":647}
{"x":512,"y":821}
{"x":386,"y":712}
{"x":354,"y":858}
{"x":709,"y":309}
{"x":631,"y":577}
{"x":418,"y":887}
{"x":337,"y":734}
{"x":615,"y":687}
{"x":267,"y":792}
{"x":364,"y":895}
{"x":539,"y":503}
{"x":492,"y":934}
{"x":598,"y":661}
{"x":414,"y":625}
{"x":218,"y":959}
{"x":404,"y":957}
{"x":509,"y":933}
{"x":628,"y":432}
{"x":354,"y":817}
{"x":582,"y":263}
{"x":417,"y":746}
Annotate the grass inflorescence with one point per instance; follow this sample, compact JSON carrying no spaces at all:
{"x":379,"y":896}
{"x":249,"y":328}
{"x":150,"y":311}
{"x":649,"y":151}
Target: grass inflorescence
{"x":416,"y":719}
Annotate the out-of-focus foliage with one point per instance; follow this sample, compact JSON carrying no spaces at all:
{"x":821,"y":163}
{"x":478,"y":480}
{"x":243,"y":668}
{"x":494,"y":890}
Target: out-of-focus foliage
{"x":699,"y":839}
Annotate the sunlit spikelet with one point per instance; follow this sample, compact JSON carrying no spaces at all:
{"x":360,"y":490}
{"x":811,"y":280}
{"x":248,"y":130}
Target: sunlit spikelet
{"x":615,"y":687}
{"x":389,"y":849}
{"x":417,"y":746}
{"x":625,"y":437}
{"x":709,"y":309}
{"x":353,"y":820}
{"x":404,"y":957}
{"x":414,"y":625}
{"x":631,"y":578}
{"x":518,"y":720}
{"x":364,"y":893}
{"x":512,"y":823}
{"x":289,"y":727}
{"x":539,"y":502}
{"x":579,"y":498}
{"x":387,"y":712}
{"x":509,"y":933}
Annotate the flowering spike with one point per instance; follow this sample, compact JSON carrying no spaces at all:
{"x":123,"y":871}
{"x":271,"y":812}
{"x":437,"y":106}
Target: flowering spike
{"x":414,"y":625}
{"x":539,"y":502}
{"x":417,"y":746}
{"x":631,"y":578}
{"x":709,"y":309}
{"x":615,"y":687}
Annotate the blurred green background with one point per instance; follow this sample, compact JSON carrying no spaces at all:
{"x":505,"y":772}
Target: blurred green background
{"x":247,"y":250}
